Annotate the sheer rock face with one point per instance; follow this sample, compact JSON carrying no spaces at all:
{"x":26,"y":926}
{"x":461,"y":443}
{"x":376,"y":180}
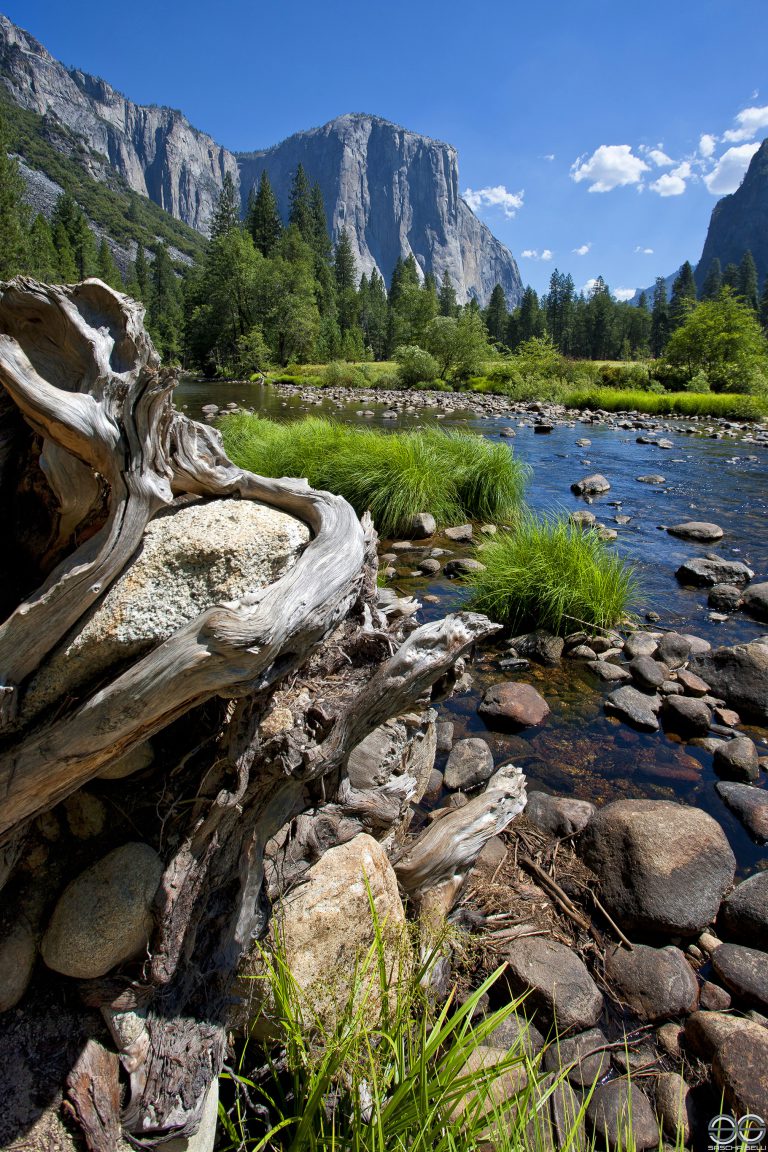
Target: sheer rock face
{"x":156,"y":150}
{"x":396,"y":193}
{"x":740,"y":222}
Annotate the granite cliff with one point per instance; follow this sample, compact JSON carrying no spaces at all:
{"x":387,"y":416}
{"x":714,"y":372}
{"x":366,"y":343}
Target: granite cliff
{"x":395,"y":191}
{"x":740,"y":222}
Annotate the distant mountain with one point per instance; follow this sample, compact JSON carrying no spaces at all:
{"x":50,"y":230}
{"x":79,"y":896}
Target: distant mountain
{"x":395,"y":191}
{"x":740,"y":222}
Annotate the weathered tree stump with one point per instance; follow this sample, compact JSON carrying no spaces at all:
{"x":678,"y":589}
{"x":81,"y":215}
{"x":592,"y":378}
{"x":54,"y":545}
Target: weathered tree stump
{"x":88,"y":434}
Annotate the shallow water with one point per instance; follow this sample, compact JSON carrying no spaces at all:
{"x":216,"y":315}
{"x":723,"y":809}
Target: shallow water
{"x":579,"y":750}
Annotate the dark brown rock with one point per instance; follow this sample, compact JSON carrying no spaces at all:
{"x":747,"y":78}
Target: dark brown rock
{"x":686,"y":716}
{"x":621,"y":1116}
{"x":740,"y":1070}
{"x":647,"y":672}
{"x":739,"y":675}
{"x":744,"y":971}
{"x":655,"y":982}
{"x":513,"y":705}
{"x":737,"y":760}
{"x":743,"y":915}
{"x":559,"y":984}
{"x":582,"y":1056}
{"x":634,"y":707}
{"x":750,"y":805}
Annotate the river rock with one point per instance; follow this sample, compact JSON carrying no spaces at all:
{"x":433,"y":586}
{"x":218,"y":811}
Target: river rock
{"x":541,"y":646}
{"x":724,"y":597}
{"x":740,"y":1071}
{"x":429,"y":567}
{"x":697,"y":530}
{"x":674,"y":1106}
{"x":641,"y":644}
{"x":651,"y":478}
{"x":585,"y":1051}
{"x":445,"y":730}
{"x":674,"y":649}
{"x":621,"y":1116}
{"x":583,"y":518}
{"x":557,"y":1120}
{"x":686,"y":715}
{"x":703,"y":570}
{"x":470,"y":763}
{"x":104,"y":917}
{"x":739,"y":675}
{"x":664,"y":867}
{"x":755,"y":601}
{"x":713,"y":997}
{"x":608,"y":672}
{"x":18,"y":950}
{"x":463,"y":566}
{"x":750,"y":804}
{"x":705,"y":1032}
{"x":558,"y":815}
{"x":737,"y":760}
{"x":691,"y":684}
{"x":513,"y":705}
{"x":744,"y":971}
{"x":516,"y":1032}
{"x":647,"y":672}
{"x":190,"y":559}
{"x":635,"y":707}
{"x":560,"y":986}
{"x":591,"y":485}
{"x":461,"y":534}
{"x":422,"y":525}
{"x":743,"y":915}
{"x":655,"y":982}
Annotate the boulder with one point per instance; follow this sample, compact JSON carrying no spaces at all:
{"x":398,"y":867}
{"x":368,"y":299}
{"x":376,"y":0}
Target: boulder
{"x":541,"y":646}
{"x":513,"y":705}
{"x":190,"y":559}
{"x":558,"y":815}
{"x":656,"y":983}
{"x":740,"y":1071}
{"x":591,"y":485}
{"x":621,"y":1116}
{"x":584,"y":1057}
{"x":461,"y":534}
{"x":702,"y":570}
{"x":755,"y":601}
{"x":104,"y":917}
{"x":750,"y":804}
{"x":737,"y":760}
{"x":422,"y":525}
{"x":664,"y":867}
{"x":561,"y":989}
{"x":673,"y":650}
{"x":641,"y":644}
{"x":739,"y":675}
{"x":18,"y":951}
{"x":325,"y":927}
{"x":647,"y":672}
{"x":674,"y":1107}
{"x":634,"y":707}
{"x":743,"y":915}
{"x":744,"y":971}
{"x":463,"y":566}
{"x":470,"y":762}
{"x":713,"y":997}
{"x":557,"y":1119}
{"x":686,"y":716}
{"x":705,"y":1032}
{"x":697,"y":530}
{"x":724,"y":597}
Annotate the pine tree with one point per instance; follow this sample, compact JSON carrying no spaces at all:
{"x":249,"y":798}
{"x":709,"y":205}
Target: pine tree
{"x":67,"y":268}
{"x":264,"y":221}
{"x":447,"y":296}
{"x":300,"y":209}
{"x":713,"y":281}
{"x":345,"y":276}
{"x":374,"y":314}
{"x":43,"y":258}
{"x":559,"y":310}
{"x":747,"y":287}
{"x":166,"y":315}
{"x":683,"y":297}
{"x":108,"y":270}
{"x":731,"y":277}
{"x":227,"y":214}
{"x":141,"y":274}
{"x":319,"y":238}
{"x":764,"y":307}
{"x":659,"y":318}
{"x":497,"y":316}
{"x":14,"y":214}
{"x":69,"y":217}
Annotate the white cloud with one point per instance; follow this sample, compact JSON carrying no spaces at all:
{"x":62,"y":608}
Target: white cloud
{"x":644,"y":251}
{"x":624,"y":293}
{"x":726,"y":175}
{"x":749,"y":122}
{"x":496,"y":197}
{"x":660,"y":159}
{"x":672,"y":183}
{"x":610,"y":166}
{"x":534,"y":254}
{"x":707,"y":144}
{"x":549,"y":156}
{"x":582,"y":249}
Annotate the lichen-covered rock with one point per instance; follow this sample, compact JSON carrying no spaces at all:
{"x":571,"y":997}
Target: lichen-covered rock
{"x":191,"y":558}
{"x":104,"y":916}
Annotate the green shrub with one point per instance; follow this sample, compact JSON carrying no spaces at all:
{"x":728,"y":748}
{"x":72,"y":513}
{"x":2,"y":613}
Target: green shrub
{"x":414,"y":365}
{"x":453,"y":475}
{"x":340,"y":374}
{"x":624,"y":376}
{"x":549,"y":573}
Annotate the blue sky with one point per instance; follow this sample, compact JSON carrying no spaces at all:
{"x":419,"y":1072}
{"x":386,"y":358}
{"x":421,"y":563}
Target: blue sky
{"x":579,"y":123}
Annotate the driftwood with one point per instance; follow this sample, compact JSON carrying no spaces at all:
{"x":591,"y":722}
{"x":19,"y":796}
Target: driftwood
{"x":106,"y":452}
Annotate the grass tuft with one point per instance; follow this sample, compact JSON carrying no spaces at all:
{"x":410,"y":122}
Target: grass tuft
{"x":726,"y":406}
{"x":453,"y":475}
{"x":549,"y":573}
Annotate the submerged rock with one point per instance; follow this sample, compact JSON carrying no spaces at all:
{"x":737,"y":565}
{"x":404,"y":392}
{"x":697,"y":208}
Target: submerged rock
{"x":737,"y":760}
{"x":697,"y":530}
{"x":513,"y":705}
